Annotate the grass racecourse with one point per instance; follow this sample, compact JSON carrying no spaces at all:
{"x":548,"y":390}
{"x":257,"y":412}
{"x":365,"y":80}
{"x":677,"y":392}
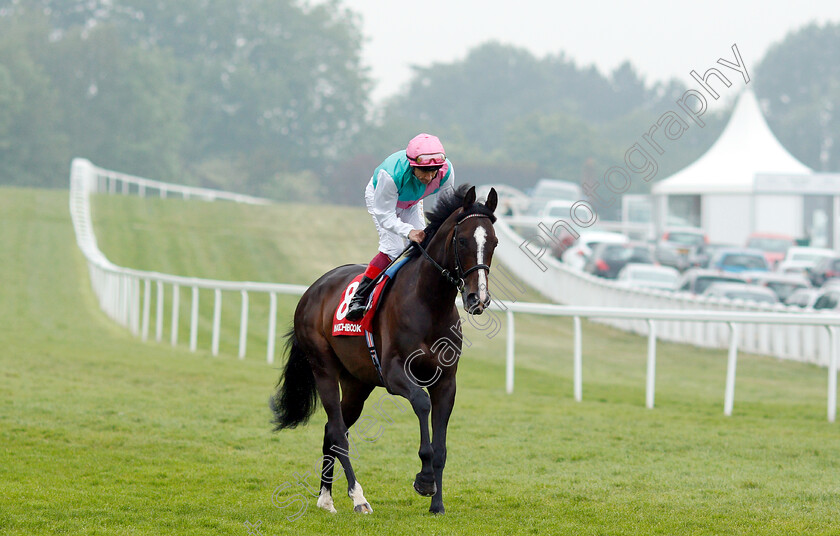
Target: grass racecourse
{"x":101,"y":433}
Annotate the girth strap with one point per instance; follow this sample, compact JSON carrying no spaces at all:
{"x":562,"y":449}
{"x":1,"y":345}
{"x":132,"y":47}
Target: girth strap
{"x":375,"y":358}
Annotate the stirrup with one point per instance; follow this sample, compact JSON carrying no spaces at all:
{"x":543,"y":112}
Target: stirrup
{"x":357,"y":309}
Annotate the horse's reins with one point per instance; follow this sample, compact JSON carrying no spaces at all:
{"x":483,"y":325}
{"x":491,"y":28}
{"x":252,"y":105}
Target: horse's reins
{"x":458,"y":280}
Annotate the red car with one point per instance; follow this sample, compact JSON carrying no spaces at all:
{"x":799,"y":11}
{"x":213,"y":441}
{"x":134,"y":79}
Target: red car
{"x":774,"y":246}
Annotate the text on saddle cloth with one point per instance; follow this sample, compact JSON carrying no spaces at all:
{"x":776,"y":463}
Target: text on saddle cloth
{"x":342,"y":326}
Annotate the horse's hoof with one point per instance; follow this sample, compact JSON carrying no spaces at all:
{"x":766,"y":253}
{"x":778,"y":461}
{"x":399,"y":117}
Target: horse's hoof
{"x":363,"y":509}
{"x":426,"y":489}
{"x":325,"y":502}
{"x":437,"y":510}
{"x":329,"y":507}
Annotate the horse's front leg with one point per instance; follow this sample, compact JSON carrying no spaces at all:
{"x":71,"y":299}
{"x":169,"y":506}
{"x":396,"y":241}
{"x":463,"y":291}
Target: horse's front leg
{"x":443,"y":400}
{"x":424,"y":481}
{"x":400,"y":384}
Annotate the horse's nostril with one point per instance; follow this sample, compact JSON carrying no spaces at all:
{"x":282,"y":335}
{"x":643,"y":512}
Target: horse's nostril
{"x":473,"y":304}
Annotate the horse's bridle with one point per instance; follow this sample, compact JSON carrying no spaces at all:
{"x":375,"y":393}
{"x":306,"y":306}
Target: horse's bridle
{"x":458,"y":279}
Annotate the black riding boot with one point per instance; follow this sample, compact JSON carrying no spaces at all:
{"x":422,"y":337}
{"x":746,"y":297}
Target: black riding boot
{"x":358,"y":304}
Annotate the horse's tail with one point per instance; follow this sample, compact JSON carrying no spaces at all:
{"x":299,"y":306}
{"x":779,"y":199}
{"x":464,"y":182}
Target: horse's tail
{"x":296,"y":398}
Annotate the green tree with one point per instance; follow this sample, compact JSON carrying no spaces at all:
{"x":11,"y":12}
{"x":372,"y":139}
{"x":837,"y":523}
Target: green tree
{"x":263,"y":76}
{"x":628,"y":87}
{"x":500,"y":105}
{"x":476,"y":98}
{"x":33,"y":148}
{"x":123,"y":107}
{"x":561,"y":144}
{"x":273,"y":86}
{"x":11,"y":98}
{"x":799,"y":82}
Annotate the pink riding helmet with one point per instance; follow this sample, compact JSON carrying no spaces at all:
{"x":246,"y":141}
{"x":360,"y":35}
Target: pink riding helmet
{"x":425,"y":150}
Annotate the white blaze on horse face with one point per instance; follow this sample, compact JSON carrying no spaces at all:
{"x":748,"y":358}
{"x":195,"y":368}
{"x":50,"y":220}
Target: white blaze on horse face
{"x":480,"y":240}
{"x":325,"y":501}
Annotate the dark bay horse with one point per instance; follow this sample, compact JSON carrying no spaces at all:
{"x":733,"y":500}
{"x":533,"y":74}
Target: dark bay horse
{"x":417,"y":334}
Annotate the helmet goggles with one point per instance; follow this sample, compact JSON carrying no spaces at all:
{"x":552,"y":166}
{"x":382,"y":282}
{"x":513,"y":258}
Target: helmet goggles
{"x":428,"y":160}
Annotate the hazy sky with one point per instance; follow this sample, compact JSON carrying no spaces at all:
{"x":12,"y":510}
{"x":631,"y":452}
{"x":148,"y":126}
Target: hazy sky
{"x":662,"y":38}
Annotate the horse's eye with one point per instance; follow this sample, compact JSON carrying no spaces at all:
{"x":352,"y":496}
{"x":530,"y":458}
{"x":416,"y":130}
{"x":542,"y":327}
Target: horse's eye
{"x":462,"y":242}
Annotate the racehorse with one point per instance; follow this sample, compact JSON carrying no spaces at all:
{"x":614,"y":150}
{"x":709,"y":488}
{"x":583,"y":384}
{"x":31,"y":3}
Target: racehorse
{"x":416,"y":332}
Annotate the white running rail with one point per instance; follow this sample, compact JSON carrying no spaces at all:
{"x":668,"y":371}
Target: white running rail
{"x":654,"y":319}
{"x":125,"y":294}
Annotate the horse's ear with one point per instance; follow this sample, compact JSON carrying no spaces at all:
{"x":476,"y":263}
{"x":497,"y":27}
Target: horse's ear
{"x":492,"y":200}
{"x":469,"y":199}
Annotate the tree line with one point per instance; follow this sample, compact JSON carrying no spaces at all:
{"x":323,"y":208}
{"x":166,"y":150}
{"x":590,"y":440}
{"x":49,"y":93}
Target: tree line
{"x":270,"y":97}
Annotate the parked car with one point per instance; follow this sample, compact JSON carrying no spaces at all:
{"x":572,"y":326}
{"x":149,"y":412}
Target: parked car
{"x":635,"y":275}
{"x":738,"y":260}
{"x":782,"y":284}
{"x":512,"y":201}
{"x":816,"y":298}
{"x":682,"y":241}
{"x":666,"y":255}
{"x":827,"y":268}
{"x":774,"y":246}
{"x":576,"y":255}
{"x":556,"y":209}
{"x":799,"y":259}
{"x":553,"y":190}
{"x":703,"y":254}
{"x":804,"y":297}
{"x":607,"y":259}
{"x":741,"y":291}
{"x":827,"y":299}
{"x":552,"y":214}
{"x":697,"y":280}
{"x":830,"y":283}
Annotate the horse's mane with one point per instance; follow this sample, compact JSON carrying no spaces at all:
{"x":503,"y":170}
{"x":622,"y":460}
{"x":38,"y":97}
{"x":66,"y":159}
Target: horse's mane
{"x":445,"y":206}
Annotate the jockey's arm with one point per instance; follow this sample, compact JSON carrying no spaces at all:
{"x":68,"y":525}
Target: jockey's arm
{"x":418,"y":220}
{"x":385,"y":198}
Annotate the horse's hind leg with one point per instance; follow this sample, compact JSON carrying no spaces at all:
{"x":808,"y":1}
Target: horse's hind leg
{"x":336,"y":441}
{"x":325,"y":499}
{"x":335,"y":438}
{"x":353,"y":396}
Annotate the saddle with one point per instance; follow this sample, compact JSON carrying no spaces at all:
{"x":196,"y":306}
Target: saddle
{"x":342,"y":326}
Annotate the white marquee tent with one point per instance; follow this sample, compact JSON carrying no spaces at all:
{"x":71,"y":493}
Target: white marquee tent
{"x":742,"y":184}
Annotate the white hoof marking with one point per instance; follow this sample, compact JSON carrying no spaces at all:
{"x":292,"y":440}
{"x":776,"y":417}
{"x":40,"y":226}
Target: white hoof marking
{"x":325,"y":501}
{"x":360,"y":504}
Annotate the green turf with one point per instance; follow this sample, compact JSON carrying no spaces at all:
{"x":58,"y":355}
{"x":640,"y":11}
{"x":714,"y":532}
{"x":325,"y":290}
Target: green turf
{"x":103,"y":434}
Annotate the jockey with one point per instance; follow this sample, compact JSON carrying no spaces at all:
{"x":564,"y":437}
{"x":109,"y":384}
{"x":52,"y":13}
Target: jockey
{"x":394,"y":197}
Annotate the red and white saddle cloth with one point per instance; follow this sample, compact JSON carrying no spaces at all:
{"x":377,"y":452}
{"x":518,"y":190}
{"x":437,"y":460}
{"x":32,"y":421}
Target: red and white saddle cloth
{"x":342,"y":326}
